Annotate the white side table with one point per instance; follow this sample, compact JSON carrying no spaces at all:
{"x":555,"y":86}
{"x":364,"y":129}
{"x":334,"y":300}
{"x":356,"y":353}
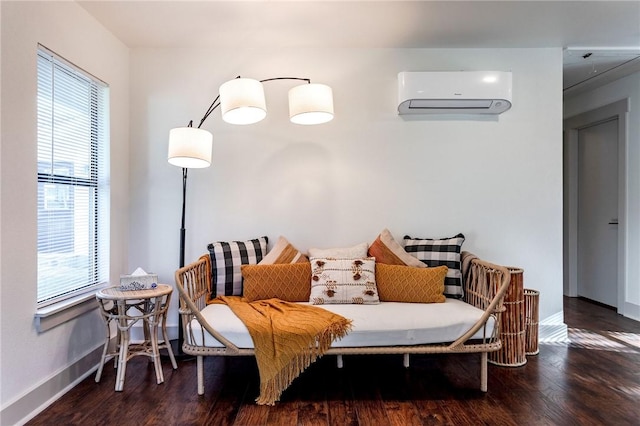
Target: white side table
{"x":127,"y":308}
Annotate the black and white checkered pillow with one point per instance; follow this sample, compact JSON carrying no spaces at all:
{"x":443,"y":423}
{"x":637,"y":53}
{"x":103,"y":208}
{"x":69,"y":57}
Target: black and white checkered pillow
{"x":437,"y":252}
{"x":227,"y":257}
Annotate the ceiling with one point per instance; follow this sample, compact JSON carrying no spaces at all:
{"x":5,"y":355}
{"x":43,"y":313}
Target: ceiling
{"x":607,"y":30}
{"x":592,"y":67}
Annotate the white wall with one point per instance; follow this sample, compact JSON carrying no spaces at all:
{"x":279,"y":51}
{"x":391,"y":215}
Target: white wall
{"x":28,"y":359}
{"x":624,"y":88}
{"x":498,"y":182}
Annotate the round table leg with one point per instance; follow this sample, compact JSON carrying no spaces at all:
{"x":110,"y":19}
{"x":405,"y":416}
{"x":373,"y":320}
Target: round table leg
{"x":105,"y":349}
{"x":165,"y":335}
{"x":153,"y":330}
{"x":124,"y":345}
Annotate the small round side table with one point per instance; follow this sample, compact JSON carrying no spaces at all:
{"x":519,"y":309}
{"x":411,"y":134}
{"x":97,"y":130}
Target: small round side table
{"x":126,"y":308}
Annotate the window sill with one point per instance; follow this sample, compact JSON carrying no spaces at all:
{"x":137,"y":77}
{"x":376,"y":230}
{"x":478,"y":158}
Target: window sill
{"x":53,"y":315}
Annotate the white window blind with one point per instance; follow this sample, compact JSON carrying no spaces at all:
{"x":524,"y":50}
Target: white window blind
{"x":73,"y":190}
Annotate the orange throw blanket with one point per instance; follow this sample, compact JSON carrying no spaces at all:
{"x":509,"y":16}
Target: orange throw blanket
{"x":287,"y":338}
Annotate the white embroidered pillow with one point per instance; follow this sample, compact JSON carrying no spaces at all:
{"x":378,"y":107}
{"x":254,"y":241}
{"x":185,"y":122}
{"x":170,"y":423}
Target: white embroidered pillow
{"x":343,"y":280}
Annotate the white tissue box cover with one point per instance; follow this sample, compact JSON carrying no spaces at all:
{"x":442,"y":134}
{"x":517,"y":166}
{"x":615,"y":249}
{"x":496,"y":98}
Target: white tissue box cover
{"x":138,"y":282}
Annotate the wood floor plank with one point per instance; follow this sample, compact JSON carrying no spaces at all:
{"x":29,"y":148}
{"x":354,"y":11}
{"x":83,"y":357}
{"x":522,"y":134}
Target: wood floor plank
{"x":252,"y":415}
{"x":402,"y":413}
{"x":339,"y":394}
{"x":593,"y":379}
{"x":310,"y":392}
{"x":224,"y":402}
{"x":368,"y":404}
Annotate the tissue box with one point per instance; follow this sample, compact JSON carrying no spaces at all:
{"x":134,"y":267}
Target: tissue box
{"x":138,"y":282}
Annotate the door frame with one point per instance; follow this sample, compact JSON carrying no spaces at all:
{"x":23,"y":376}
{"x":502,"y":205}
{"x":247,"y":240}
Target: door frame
{"x":571,"y":126}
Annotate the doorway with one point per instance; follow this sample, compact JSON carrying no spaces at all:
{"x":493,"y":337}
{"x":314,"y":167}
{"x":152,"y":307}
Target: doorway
{"x":594,"y":197}
{"x":598,"y":212}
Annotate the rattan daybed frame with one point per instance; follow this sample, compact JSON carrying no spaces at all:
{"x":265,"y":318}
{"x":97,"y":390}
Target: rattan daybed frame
{"x":484,"y":288}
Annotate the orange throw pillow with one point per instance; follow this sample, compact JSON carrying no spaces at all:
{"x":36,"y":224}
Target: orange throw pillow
{"x":284,"y":281}
{"x":397,"y":283}
{"x":387,"y":250}
{"x":284,"y":252}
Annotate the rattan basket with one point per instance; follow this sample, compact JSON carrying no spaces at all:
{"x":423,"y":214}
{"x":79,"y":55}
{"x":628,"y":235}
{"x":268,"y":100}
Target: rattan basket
{"x":512,"y":325}
{"x":531,"y":300}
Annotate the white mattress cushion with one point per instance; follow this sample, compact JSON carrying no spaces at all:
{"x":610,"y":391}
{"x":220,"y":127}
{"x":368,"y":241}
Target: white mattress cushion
{"x":386,"y":324}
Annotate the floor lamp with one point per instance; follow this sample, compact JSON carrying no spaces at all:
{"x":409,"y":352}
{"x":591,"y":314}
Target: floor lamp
{"x":241,"y":101}
{"x":189,"y":148}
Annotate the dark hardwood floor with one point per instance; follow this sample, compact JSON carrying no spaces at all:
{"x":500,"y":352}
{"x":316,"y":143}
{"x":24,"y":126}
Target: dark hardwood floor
{"x":594,"y":380}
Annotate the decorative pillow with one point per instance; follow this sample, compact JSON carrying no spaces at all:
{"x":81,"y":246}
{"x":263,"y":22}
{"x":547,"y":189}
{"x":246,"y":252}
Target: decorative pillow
{"x":284,"y":252}
{"x":226,"y":259}
{"x":343,"y":280}
{"x":445,"y":251}
{"x":397,"y":283}
{"x":387,"y":250}
{"x":357,"y":251}
{"x":285,"y":281}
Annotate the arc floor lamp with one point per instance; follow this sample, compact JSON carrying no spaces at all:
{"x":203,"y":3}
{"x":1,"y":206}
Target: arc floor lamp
{"x":241,"y":101}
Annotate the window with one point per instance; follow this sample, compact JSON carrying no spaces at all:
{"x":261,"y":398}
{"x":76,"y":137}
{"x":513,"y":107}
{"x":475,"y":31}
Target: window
{"x":73,"y":191}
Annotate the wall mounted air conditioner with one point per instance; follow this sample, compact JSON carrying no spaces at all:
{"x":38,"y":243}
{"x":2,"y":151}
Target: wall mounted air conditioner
{"x":454,"y":92}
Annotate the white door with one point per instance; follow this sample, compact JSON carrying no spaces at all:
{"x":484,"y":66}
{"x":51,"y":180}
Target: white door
{"x":598,"y":212}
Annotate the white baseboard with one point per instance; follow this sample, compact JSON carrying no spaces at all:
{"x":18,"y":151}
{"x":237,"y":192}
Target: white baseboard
{"x":553,"y":329}
{"x":553,"y":333}
{"x":34,"y":401}
{"x":632,"y":311}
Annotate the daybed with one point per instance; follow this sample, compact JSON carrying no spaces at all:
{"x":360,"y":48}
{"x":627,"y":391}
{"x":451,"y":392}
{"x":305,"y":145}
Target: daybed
{"x":466,"y":325}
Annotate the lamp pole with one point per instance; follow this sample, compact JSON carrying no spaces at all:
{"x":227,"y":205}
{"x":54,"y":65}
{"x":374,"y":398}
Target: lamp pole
{"x":182,"y":229}
{"x":178,"y":351}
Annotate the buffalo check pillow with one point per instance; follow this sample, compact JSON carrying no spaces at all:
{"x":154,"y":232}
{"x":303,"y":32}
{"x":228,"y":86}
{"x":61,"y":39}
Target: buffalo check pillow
{"x":438,"y":252}
{"x":227,"y":258}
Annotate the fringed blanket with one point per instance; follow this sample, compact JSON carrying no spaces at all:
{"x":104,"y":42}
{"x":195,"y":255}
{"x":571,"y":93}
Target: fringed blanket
{"x":287,"y":338}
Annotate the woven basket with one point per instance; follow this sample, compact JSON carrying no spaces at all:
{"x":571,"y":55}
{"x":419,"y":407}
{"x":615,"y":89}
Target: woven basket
{"x":512,"y":325}
{"x":531,"y":300}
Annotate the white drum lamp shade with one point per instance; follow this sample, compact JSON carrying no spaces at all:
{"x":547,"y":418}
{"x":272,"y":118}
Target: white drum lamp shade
{"x":311,"y":104}
{"x":190,"y":147}
{"x":242,"y":101}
